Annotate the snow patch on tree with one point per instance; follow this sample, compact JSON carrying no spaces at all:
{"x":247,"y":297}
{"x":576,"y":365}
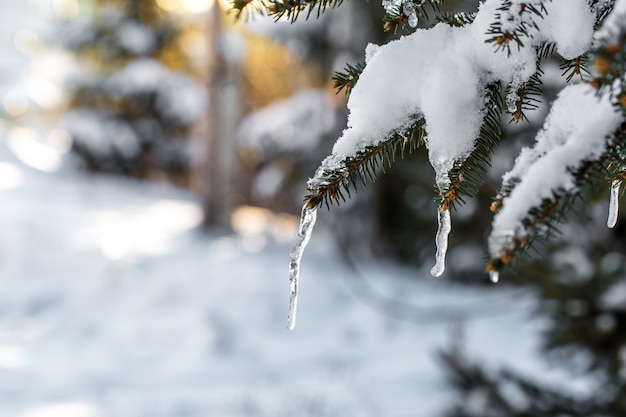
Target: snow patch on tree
{"x":441,"y":74}
{"x":103,"y":134}
{"x":614,"y":298}
{"x":136,"y":38}
{"x":180,"y":100}
{"x":569,"y":24}
{"x":575,"y":131}
{"x":612,"y":24}
{"x":140,"y":76}
{"x":441,"y":86}
{"x":294,"y":124}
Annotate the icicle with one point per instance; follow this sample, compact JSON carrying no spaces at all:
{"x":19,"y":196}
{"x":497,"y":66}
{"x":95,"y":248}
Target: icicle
{"x":614,"y":203}
{"x":443,"y":219}
{"x":494,"y":276}
{"x":307,"y":221}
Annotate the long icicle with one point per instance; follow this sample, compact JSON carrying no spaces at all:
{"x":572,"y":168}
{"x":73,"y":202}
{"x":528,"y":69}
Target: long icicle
{"x":443,"y":230}
{"x":614,"y":203}
{"x":307,"y":221}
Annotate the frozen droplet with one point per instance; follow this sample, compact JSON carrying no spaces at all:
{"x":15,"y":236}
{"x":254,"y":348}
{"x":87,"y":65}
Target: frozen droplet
{"x":614,"y":203}
{"x":494,"y":276}
{"x":409,"y":11}
{"x":443,"y":220}
{"x":307,"y":221}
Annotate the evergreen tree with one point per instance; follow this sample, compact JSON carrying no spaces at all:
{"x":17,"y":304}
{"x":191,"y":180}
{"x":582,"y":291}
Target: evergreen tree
{"x":581,"y":299}
{"x":421,"y":91}
{"x":134,"y":101}
{"x":448,"y":87}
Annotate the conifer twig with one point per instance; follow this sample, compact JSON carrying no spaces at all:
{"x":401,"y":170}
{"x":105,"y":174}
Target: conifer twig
{"x":347,"y":79}
{"x":467,"y":176}
{"x":329,"y":187}
{"x":552,"y":210}
{"x":291,"y":9}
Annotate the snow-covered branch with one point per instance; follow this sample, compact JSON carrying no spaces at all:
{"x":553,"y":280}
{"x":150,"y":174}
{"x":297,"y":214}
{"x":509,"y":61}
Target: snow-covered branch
{"x":443,"y":79}
{"x":579,"y":130}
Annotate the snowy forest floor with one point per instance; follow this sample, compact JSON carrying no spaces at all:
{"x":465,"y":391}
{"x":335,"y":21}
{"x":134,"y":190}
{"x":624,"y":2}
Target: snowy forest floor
{"x":112,"y":303}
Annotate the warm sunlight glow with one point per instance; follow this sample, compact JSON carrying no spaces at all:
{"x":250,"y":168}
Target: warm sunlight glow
{"x":65,"y":9}
{"x":26,"y":41}
{"x":196,"y":6}
{"x":132,"y":234}
{"x":44,"y":93}
{"x":15,"y":103}
{"x":195,"y":45}
{"x":278,"y":57}
{"x":152,"y":232}
{"x":248,"y":220}
{"x":252,"y":223}
{"x":188,"y":6}
{"x":25,"y":144}
{"x":168,"y":5}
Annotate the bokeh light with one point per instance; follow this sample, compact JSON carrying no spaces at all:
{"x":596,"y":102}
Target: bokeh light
{"x":65,"y":9}
{"x":15,"y":103}
{"x":196,"y":6}
{"x":188,"y":6}
{"x":26,"y":41}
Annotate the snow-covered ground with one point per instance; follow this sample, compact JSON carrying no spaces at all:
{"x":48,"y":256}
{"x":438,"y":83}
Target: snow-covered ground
{"x":112,"y":303}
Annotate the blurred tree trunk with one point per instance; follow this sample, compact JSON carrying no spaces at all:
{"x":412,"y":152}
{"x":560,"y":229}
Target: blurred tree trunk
{"x":218,"y":168}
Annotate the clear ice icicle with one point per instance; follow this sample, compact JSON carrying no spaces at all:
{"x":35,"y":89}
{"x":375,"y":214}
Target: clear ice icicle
{"x":307,"y":221}
{"x":614,"y":203}
{"x":443,"y":219}
{"x":494,"y":276}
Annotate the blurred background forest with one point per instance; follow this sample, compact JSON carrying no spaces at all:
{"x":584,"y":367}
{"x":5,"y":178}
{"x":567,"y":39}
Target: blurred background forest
{"x":230,"y":117}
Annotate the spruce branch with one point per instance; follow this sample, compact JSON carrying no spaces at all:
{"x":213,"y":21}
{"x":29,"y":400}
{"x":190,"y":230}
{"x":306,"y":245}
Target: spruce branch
{"x":459,"y":19}
{"x":546,"y":49}
{"x":609,"y":64}
{"x":347,"y":79}
{"x":470,"y":379}
{"x":330,"y":185}
{"x":526,"y":97}
{"x":578,"y":66}
{"x":291,"y":9}
{"x":602,"y":9}
{"x":241,"y":8}
{"x":467,"y":176}
{"x":541,"y":220}
{"x":514,"y":23}
{"x":396,"y":18}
